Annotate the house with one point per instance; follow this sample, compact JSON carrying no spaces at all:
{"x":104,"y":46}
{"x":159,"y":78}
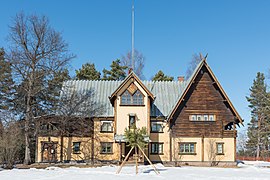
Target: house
{"x":188,"y":121}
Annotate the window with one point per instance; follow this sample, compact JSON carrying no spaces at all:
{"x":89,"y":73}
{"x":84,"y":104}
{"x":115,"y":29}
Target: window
{"x":187,"y":148}
{"x":138,"y":98}
{"x":211,"y":118}
{"x":193,"y":117}
{"x":106,"y":148}
{"x":76,"y":147}
{"x":128,"y":98}
{"x":220,"y":148}
{"x":156,"y":148}
{"x":200,"y":117}
{"x":132,"y":121}
{"x":106,"y":126}
{"x":156,"y":127}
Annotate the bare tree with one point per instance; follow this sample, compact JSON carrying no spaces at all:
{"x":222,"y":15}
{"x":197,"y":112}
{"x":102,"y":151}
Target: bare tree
{"x":36,"y":52}
{"x":195,"y":60}
{"x":138,"y":62}
{"x":74,"y":118}
{"x":11,"y":141}
{"x":241,"y":143}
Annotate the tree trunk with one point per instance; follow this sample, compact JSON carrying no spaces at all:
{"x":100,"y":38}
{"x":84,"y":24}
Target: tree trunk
{"x":27,"y":157}
{"x":61,"y":148}
{"x":136,"y":159}
{"x":258,"y":149}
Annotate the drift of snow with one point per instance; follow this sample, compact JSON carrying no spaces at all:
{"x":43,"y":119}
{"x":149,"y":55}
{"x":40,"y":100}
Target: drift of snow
{"x":247,"y":171}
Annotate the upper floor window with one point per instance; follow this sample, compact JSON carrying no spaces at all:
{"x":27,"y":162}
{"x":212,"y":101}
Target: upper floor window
{"x":106,"y":126}
{"x":132,"y":99}
{"x":202,"y":117}
{"x":156,"y":127}
{"x":132,"y":121}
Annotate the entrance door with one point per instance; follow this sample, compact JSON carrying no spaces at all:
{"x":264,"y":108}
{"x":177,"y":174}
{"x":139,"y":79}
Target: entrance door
{"x":131,"y":157}
{"x":49,"y":153}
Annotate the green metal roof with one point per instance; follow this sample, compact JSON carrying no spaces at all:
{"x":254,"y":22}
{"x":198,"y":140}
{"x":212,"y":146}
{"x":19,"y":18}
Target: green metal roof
{"x":166,"y":94}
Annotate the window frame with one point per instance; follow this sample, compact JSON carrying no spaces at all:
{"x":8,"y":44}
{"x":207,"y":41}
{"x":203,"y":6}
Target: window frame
{"x":132,"y":99}
{"x":160,"y":151}
{"x":73,"y":148}
{"x":155,"y":123}
{"x":202,"y":117}
{"x":222,"y":146}
{"x":189,"y":147}
{"x":106,"y":143}
{"x":129,"y":120}
{"x":106,"y":122}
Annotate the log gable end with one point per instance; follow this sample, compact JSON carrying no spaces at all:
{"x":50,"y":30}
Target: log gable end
{"x":203,"y":99}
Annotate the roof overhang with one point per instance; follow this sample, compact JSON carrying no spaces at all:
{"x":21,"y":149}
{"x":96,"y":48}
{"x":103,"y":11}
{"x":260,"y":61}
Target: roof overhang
{"x":131,"y":78}
{"x":191,"y":81}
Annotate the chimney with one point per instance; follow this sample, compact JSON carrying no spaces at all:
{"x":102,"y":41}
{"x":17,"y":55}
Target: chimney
{"x":181,"y":78}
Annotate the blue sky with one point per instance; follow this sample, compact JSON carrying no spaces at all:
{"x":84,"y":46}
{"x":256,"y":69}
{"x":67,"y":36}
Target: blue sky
{"x":235,"y":34}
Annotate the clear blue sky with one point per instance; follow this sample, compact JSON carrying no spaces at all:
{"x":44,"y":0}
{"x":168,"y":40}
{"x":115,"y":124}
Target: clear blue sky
{"x":236,"y":34}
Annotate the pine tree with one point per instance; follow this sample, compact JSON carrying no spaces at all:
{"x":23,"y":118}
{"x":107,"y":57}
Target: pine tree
{"x":258,"y":128}
{"x":51,"y":96}
{"x":136,"y":139}
{"x":6,"y":83}
{"x":160,"y":76}
{"x":136,"y":136}
{"x":117,"y":71}
{"x":87,"y":72}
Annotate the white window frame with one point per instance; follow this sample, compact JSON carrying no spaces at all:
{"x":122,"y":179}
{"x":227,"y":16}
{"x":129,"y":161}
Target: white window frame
{"x":106,"y":122}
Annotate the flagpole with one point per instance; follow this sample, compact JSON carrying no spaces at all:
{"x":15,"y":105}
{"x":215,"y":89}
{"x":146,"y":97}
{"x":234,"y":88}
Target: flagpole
{"x":132,"y":38}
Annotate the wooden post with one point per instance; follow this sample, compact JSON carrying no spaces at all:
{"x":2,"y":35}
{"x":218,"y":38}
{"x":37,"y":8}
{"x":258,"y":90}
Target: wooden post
{"x":136,"y":159}
{"x":155,"y":169}
{"x":120,"y":152}
{"x":202,"y":148}
{"x":118,"y":171}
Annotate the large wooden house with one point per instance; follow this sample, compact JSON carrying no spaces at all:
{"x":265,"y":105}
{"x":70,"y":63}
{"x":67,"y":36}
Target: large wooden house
{"x":188,"y":121}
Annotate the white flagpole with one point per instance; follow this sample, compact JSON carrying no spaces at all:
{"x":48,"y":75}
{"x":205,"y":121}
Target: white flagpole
{"x":132,"y":52}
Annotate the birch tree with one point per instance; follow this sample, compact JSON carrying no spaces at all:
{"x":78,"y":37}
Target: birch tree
{"x":139,"y":61}
{"x":36,"y":52}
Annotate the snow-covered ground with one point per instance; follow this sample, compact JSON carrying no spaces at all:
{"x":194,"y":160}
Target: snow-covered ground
{"x":249,"y":170}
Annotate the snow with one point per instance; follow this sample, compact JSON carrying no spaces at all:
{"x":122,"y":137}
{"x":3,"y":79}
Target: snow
{"x":250,"y":170}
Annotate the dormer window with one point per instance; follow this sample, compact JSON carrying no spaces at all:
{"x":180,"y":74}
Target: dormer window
{"x":127,"y":98}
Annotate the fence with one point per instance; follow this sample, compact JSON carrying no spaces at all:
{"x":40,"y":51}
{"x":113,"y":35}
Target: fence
{"x":250,"y":158}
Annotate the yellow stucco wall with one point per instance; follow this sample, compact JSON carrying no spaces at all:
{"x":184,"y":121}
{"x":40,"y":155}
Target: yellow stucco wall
{"x":208,"y":148}
{"x":162,"y":138}
{"x":122,"y":114}
{"x":228,"y":148}
{"x":104,"y":137}
{"x":179,"y":157}
{"x":85,"y":153}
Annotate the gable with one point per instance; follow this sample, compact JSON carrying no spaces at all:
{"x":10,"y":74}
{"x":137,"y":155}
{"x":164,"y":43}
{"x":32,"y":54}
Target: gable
{"x":203,"y":99}
{"x":209,"y":87}
{"x":131,"y":82}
